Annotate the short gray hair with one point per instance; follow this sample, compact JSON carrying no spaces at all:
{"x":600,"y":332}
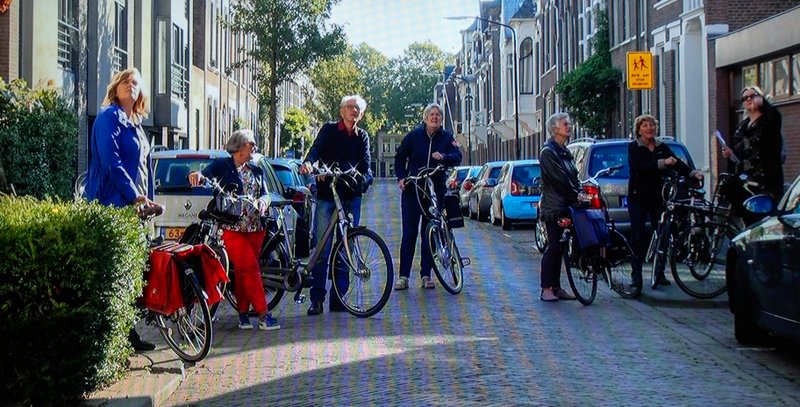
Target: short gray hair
{"x":428,"y":109}
{"x":239,"y":139}
{"x":552,"y":122}
{"x":362,"y":104}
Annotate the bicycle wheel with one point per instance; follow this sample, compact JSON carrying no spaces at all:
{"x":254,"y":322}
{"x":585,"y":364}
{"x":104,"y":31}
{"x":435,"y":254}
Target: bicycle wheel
{"x":192,"y":236}
{"x":363,"y":280}
{"x":277,"y":256}
{"x":660,"y":253}
{"x":619,"y":260}
{"x":581,"y":275}
{"x":188,"y":331}
{"x":446,"y":257}
{"x":698,"y":260}
{"x":540,"y":235}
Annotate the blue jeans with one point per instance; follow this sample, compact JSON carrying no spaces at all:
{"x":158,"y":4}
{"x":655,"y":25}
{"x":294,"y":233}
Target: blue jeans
{"x":322,"y":218}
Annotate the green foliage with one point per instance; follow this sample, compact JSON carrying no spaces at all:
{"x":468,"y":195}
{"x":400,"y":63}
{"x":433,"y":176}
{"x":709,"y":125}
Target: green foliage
{"x":295,"y":135}
{"x":68,"y":279}
{"x":38,"y":141}
{"x":291,"y":35}
{"x":589,"y":91}
{"x":334,"y":79}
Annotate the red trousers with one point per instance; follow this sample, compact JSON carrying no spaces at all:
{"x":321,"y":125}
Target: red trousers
{"x":244,"y":249}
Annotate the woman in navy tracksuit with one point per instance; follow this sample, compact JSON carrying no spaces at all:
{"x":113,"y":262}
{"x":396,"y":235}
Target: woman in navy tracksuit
{"x":424,"y":147}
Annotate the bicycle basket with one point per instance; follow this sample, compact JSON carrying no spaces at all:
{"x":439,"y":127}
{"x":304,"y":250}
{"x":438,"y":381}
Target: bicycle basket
{"x":590,"y":228}
{"x":452,"y":209}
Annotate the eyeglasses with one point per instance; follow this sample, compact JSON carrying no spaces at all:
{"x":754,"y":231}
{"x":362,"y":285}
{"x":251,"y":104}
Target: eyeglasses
{"x":255,"y":147}
{"x":745,"y":98}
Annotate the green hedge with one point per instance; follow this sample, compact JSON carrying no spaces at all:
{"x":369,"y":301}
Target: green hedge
{"x":38,"y":141}
{"x":69,"y":274}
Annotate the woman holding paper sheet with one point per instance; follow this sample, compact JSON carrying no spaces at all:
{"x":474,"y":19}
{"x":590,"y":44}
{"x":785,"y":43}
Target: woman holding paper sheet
{"x":757,"y":143}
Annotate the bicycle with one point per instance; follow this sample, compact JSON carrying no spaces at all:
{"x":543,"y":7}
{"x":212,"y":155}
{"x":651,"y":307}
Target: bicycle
{"x":539,"y":230}
{"x":676,"y":217}
{"x":349,"y":261}
{"x":188,"y":330}
{"x":698,"y":258}
{"x":448,"y":265}
{"x":612,"y":262}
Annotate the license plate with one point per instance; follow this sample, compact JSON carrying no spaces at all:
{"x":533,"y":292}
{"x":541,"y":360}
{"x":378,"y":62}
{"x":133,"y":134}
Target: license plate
{"x":623,"y":201}
{"x":173,"y":233}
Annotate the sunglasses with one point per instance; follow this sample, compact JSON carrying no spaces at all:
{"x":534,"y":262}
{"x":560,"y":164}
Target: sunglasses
{"x":745,"y":98}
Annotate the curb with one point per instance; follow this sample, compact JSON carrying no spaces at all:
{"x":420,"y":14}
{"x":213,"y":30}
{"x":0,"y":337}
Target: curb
{"x":673,"y":297}
{"x":150,"y":380}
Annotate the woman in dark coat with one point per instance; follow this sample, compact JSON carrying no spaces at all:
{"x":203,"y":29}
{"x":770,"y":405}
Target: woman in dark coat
{"x":648,"y":160}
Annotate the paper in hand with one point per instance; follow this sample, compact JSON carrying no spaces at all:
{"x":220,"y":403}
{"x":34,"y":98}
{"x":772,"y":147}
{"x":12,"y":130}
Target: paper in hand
{"x":722,"y":144}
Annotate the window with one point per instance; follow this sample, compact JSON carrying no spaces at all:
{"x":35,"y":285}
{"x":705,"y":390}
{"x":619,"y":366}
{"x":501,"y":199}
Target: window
{"x":120,"y":55}
{"x":387,"y":147}
{"x":526,"y":66}
{"x":765,"y":77}
{"x":179,"y":85}
{"x":781,"y":75}
{"x":214,"y":34}
{"x":161,"y":63}
{"x":796,"y":74}
{"x":749,"y":76}
{"x":510,"y":77}
{"x":67,"y":29}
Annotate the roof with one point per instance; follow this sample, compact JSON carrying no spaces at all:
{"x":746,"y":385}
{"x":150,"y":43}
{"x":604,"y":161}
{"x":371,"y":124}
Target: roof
{"x":527,"y":10}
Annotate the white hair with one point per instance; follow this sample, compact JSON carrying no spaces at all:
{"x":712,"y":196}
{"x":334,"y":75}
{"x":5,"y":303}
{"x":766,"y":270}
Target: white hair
{"x":428,"y":109}
{"x":362,"y":104}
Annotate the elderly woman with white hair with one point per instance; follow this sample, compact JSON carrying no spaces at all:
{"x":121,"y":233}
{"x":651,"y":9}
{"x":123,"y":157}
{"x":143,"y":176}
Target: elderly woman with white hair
{"x":244,"y":238}
{"x":426,"y":146}
{"x":560,"y":190}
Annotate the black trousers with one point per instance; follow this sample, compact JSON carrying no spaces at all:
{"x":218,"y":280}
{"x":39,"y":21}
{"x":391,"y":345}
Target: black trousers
{"x":640,"y":213}
{"x":553,"y":256}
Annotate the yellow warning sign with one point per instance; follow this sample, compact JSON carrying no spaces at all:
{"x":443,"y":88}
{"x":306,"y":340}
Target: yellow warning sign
{"x":640,"y":70}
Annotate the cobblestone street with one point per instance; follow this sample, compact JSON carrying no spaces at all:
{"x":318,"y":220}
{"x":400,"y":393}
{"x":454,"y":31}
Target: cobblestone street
{"x":494,"y":344}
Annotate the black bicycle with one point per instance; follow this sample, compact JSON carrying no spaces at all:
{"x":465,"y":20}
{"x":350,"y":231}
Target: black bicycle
{"x":188,"y":330}
{"x":614,"y":262}
{"x":448,"y":265}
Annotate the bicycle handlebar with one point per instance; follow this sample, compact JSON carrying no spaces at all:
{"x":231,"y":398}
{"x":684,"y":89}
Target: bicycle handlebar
{"x":428,"y":172}
{"x":147,"y":212}
{"x":604,"y":171}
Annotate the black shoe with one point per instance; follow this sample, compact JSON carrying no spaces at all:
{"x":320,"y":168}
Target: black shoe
{"x":662,"y":280}
{"x":315,"y":308}
{"x":336,"y":306}
{"x":139,"y":344}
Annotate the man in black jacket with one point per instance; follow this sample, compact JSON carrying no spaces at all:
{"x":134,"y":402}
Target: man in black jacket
{"x":424,"y":147}
{"x":343,"y":144}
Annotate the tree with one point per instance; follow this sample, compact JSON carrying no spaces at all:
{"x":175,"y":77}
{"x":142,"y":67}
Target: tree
{"x":589,"y":91}
{"x":290,"y":35}
{"x":413,"y":77}
{"x":373,"y":67}
{"x":332,"y":80}
{"x":294,"y":134}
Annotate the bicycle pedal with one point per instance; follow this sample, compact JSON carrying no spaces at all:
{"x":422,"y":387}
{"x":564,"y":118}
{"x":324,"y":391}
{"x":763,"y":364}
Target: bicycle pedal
{"x":299,"y":298}
{"x":465,"y":261}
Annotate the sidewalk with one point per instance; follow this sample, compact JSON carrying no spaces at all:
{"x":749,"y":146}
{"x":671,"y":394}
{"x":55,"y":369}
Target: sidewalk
{"x":150,"y":379}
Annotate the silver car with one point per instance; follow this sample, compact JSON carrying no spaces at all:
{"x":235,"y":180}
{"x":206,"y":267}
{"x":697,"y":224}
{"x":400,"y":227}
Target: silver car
{"x":181,"y":202}
{"x":480,"y":198}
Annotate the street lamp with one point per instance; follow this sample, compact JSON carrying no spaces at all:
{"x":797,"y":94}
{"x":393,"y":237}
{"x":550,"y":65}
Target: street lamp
{"x":468,"y":99}
{"x":516,"y":75}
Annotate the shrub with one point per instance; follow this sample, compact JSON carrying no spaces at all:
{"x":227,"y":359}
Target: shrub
{"x":38,"y":141}
{"x":69,"y":275}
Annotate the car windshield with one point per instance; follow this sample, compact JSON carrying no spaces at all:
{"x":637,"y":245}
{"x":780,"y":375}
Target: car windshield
{"x":524,"y":174}
{"x":462,"y":174}
{"x":474,"y":172}
{"x":171,"y":173}
{"x":604,"y":156}
{"x":494,"y":172}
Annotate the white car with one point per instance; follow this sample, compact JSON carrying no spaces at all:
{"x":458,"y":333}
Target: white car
{"x":182,"y":203}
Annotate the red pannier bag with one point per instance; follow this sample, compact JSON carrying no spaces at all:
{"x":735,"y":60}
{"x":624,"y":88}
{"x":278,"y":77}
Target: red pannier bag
{"x":163,"y":291}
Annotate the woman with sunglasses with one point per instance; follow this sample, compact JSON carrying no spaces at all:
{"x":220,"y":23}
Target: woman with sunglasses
{"x":757,"y":143}
{"x":244,"y":238}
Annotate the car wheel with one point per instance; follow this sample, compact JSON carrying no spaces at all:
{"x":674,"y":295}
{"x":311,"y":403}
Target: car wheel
{"x":504,"y":221}
{"x":472,"y":215}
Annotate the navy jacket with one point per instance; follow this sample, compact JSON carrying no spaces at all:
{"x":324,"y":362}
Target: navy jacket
{"x":334,"y":145}
{"x":415,"y":153}
{"x":647,"y":171}
{"x":224,"y":171}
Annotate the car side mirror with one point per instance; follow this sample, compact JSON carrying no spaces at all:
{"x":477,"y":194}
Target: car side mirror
{"x":491,"y":182}
{"x":759,"y":205}
{"x":289,"y":192}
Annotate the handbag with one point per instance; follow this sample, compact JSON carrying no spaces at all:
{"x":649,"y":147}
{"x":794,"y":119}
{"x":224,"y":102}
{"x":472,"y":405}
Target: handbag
{"x":227,"y":207}
{"x":590,"y":228}
{"x":452,"y":210}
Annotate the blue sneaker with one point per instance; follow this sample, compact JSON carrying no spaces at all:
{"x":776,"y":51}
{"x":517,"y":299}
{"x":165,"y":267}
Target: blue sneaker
{"x":268,"y":323}
{"x":244,"y":321}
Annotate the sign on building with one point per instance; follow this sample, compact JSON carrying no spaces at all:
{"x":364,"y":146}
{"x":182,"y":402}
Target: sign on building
{"x":640,"y":70}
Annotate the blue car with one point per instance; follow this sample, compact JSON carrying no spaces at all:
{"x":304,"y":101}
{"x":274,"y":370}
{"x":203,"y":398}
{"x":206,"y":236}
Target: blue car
{"x":515,"y":199}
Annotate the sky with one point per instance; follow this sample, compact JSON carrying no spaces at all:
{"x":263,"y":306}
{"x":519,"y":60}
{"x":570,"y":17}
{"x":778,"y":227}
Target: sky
{"x":391,"y":25}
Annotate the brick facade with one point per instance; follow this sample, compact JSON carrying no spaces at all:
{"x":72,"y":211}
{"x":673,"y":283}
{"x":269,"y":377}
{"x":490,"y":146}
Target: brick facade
{"x":9,"y":43}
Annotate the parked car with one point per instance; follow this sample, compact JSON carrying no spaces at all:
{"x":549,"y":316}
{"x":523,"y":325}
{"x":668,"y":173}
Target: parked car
{"x":466,"y":187}
{"x":457,"y":177}
{"x":593,"y":155}
{"x":294,"y":184}
{"x":181,"y":202}
{"x":762,"y":269}
{"x":480,"y":197}
{"x":515,"y":198}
